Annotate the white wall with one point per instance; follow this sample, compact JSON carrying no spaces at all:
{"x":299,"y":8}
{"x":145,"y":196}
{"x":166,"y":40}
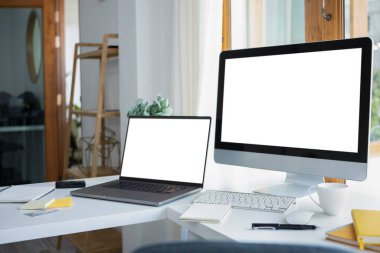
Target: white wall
{"x":155,"y":47}
{"x":97,"y":17}
{"x":71,"y":37}
{"x":127,"y":60}
{"x":146,"y":52}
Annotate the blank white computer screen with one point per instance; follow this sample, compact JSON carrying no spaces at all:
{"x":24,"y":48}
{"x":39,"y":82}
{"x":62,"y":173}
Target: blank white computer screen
{"x":171,"y":149}
{"x":304,"y":100}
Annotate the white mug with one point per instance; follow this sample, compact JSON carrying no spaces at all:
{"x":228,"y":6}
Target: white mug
{"x":333,"y":197}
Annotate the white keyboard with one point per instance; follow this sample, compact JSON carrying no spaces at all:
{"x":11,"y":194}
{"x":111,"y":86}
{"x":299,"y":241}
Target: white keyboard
{"x":254,"y":201}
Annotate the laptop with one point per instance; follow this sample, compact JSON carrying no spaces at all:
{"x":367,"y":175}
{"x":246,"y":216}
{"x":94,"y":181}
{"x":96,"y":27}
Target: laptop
{"x":164,"y":159}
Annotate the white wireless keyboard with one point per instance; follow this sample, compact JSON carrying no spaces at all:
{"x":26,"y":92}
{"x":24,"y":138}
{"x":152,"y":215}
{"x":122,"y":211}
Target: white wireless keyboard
{"x":254,"y":201}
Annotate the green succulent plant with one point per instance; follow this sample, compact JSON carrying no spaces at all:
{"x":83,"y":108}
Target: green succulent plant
{"x":139,"y":109}
{"x":159,"y":107}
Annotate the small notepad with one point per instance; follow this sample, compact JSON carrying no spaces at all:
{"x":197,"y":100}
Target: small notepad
{"x":199,"y":212}
{"x":37,"y":204}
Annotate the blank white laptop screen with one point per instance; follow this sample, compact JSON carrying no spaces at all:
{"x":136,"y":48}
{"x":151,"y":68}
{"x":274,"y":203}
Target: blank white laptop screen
{"x":292,"y":106}
{"x":166,"y":149}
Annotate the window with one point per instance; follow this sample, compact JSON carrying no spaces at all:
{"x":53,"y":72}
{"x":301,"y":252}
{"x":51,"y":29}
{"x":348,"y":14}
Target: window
{"x":257,"y":23}
{"x":374,"y":33}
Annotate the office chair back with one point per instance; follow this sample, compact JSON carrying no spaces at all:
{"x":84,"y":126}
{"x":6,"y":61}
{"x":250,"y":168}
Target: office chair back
{"x":235,"y":247}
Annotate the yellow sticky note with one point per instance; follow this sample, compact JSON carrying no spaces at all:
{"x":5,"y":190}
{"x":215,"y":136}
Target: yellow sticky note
{"x":63,"y":202}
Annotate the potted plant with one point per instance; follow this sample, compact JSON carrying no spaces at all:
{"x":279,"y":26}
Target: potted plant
{"x":159,"y":107}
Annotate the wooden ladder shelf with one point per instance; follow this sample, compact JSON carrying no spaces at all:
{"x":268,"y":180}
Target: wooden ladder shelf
{"x":101,"y":52}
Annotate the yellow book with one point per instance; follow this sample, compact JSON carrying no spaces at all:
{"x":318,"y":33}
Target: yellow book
{"x":367,"y":226}
{"x":346,"y":234}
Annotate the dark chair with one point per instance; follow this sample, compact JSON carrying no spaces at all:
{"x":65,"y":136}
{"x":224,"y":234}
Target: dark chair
{"x":30,"y":101}
{"x":31,"y":112}
{"x":9,"y":176}
{"x":235,"y":247}
{"x":4,"y":107}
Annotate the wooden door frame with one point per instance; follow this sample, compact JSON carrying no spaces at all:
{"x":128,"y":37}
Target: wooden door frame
{"x":318,"y":28}
{"x":226,"y":25}
{"x":53,"y":80}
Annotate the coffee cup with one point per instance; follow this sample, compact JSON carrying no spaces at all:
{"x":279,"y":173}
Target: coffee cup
{"x":333,"y":197}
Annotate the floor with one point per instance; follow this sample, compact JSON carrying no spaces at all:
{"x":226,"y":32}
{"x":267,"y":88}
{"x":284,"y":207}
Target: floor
{"x":98,"y":241}
{"x":46,"y":245}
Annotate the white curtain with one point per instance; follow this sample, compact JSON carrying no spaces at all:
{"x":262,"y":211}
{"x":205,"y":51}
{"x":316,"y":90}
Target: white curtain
{"x":211,"y":47}
{"x":197,"y":44}
{"x":186,"y":56}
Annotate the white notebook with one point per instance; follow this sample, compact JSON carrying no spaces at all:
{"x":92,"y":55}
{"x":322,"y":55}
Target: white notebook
{"x":199,"y":212}
{"x":24,"y":193}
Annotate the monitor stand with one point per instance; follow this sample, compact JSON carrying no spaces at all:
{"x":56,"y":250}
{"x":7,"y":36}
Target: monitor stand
{"x":295,"y":185}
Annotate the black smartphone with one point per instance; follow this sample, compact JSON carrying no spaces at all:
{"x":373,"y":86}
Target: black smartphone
{"x":70,"y":184}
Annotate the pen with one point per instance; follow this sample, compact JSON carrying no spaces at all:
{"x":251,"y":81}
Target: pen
{"x":276,"y":226}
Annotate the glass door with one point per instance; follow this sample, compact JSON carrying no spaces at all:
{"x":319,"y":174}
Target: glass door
{"x":22,"y":130}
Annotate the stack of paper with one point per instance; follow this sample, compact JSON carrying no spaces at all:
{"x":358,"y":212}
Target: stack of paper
{"x":199,"y":212}
{"x":24,"y":193}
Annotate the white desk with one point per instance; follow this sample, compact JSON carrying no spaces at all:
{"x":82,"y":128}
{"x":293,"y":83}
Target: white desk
{"x":85,"y":215}
{"x":237,"y":226}
{"x":91,"y":214}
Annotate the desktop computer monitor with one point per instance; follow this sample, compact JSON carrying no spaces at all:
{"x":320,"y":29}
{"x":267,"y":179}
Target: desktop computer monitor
{"x":303,"y":109}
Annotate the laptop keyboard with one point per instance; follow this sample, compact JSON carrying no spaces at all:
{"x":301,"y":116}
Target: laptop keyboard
{"x":146,"y":187}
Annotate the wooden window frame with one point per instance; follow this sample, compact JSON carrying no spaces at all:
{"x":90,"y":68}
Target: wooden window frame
{"x":226,"y":25}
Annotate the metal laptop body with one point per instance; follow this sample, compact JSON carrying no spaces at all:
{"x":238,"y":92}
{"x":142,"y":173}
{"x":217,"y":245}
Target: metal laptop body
{"x":159,"y":150}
